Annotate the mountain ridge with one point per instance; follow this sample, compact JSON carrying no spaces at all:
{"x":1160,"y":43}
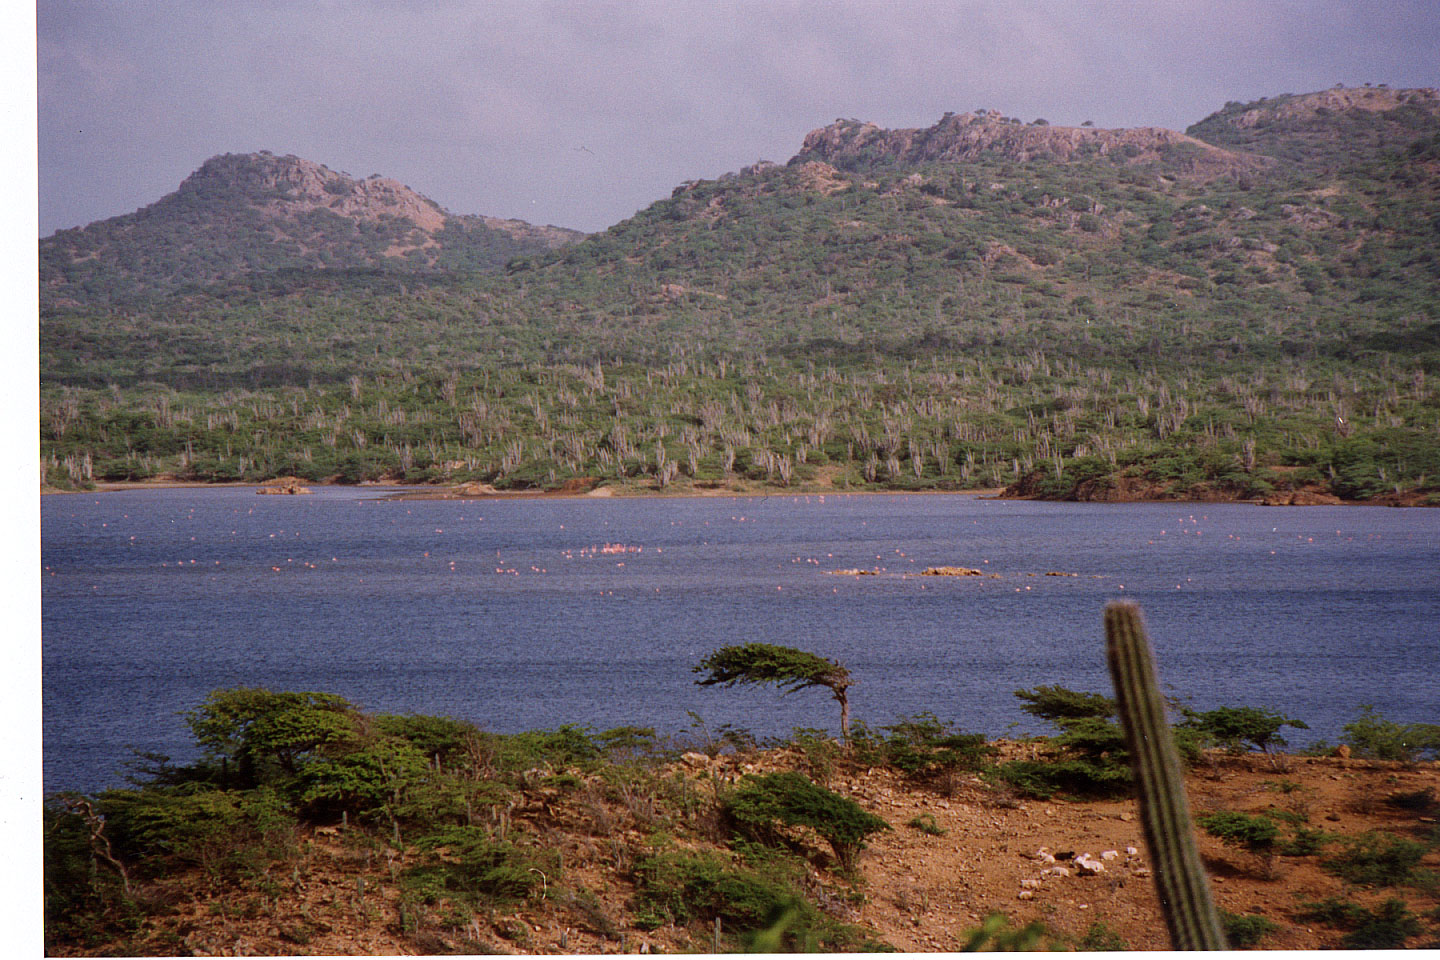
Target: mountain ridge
{"x":961,"y":137}
{"x":1100,"y":326}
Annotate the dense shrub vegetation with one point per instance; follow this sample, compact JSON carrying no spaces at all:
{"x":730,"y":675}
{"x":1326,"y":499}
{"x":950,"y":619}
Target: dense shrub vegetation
{"x":768,"y":857}
{"x":1080,"y":329}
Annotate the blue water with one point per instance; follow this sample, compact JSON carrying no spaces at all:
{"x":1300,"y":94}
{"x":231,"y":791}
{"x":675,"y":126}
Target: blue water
{"x":503,"y":613}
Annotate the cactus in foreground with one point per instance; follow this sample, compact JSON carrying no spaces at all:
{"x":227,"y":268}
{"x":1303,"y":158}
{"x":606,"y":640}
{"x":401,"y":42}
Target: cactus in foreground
{"x":1164,"y":810}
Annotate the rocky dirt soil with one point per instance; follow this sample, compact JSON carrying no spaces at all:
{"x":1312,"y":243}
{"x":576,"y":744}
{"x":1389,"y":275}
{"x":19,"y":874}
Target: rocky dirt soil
{"x":916,"y":891}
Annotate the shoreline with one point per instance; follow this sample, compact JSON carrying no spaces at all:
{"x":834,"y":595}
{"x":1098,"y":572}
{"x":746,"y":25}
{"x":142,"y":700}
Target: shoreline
{"x":450,"y":492}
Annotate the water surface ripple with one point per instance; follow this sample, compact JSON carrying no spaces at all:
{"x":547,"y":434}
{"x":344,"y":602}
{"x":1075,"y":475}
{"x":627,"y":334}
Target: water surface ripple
{"x":506,"y":614}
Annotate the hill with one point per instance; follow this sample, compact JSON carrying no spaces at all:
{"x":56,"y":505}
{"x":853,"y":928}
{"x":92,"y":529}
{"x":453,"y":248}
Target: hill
{"x":1326,"y":129}
{"x":958,"y":138}
{"x":242,"y":214}
{"x":1075,"y":312}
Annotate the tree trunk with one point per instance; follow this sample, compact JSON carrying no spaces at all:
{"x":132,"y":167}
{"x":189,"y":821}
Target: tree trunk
{"x":844,"y":714}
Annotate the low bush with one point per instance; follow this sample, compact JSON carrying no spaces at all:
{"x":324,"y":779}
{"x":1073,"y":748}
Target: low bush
{"x":440,"y":739}
{"x":931,"y":751}
{"x":1334,"y":912}
{"x":995,"y":934}
{"x":1042,"y":779}
{"x":257,"y":736}
{"x":1087,"y":758}
{"x":1371,"y":735}
{"x":685,"y":887}
{"x":1384,"y":929}
{"x":86,"y":896}
{"x":227,"y":833}
{"x":1255,"y":834}
{"x":820,"y":751}
{"x":465,"y":864}
{"x":1101,"y":939}
{"x":1376,"y":859}
{"x":1236,"y":728}
{"x":1058,"y":704}
{"x":761,"y":806}
{"x":1306,"y":842}
{"x":1246,"y":930}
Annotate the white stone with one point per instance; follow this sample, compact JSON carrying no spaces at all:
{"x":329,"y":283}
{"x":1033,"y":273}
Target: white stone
{"x":1109,"y":854}
{"x":1026,"y":895}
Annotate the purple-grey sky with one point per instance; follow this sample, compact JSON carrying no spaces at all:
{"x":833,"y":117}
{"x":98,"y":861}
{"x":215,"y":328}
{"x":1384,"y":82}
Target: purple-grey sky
{"x":580,"y":113}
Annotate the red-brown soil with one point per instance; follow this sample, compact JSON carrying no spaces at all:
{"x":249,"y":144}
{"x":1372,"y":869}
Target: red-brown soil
{"x":338,"y":893}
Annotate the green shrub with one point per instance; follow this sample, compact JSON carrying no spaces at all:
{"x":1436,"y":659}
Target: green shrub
{"x":466,"y":864}
{"x":437,"y":738}
{"x":928,"y":749}
{"x":224,"y":832}
{"x":760,"y":806}
{"x":569,"y":746}
{"x":368,"y":782}
{"x":1236,"y":727}
{"x":1385,"y":929}
{"x":1101,"y":939}
{"x":996,"y":934}
{"x":1087,"y":758}
{"x":1333,"y":912}
{"x":1376,"y":859}
{"x":1246,"y":930}
{"x":925,"y":823}
{"x":1371,"y":735}
{"x":1058,"y":704}
{"x":1306,"y":842}
{"x":85,"y":899}
{"x":619,"y":743}
{"x":1042,"y":779}
{"x":1256,"y":834}
{"x":685,"y":887}
{"x":260,"y":736}
{"x":819,"y":750}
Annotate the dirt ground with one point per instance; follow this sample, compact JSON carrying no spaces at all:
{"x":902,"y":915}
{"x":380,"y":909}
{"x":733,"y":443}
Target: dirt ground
{"x":917,"y":892}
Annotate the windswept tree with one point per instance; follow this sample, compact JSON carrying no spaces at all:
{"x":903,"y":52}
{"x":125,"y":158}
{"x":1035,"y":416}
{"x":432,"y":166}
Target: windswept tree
{"x":786,"y":667}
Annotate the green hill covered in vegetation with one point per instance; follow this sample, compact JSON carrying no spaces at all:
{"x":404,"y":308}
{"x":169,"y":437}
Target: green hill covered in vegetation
{"x":254,"y":214}
{"x":1246,"y":310}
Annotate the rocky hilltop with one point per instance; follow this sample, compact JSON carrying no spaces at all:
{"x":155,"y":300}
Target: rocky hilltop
{"x":1327,"y":128}
{"x":241,"y":214}
{"x":962,"y":137}
{"x":286,"y":188}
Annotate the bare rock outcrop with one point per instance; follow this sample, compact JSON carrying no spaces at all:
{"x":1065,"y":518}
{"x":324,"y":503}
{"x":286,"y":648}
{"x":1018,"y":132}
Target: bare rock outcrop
{"x":958,"y":137}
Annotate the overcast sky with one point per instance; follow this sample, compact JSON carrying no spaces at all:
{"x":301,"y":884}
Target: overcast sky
{"x":578,"y":114}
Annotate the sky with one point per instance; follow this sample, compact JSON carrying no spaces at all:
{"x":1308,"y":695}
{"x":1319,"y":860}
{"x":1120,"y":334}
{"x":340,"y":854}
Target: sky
{"x":578,"y":114}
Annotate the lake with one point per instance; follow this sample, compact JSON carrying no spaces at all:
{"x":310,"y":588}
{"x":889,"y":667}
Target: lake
{"x":519,"y":614}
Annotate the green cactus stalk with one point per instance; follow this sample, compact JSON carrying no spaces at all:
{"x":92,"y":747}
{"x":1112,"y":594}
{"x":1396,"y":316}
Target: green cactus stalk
{"x":1164,"y":809}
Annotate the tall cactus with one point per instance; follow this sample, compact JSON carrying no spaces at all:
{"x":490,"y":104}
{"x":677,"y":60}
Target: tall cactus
{"x":1164,"y":810}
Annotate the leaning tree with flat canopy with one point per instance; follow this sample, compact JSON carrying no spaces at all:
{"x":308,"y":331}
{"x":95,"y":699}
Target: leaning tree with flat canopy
{"x":786,"y":667}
